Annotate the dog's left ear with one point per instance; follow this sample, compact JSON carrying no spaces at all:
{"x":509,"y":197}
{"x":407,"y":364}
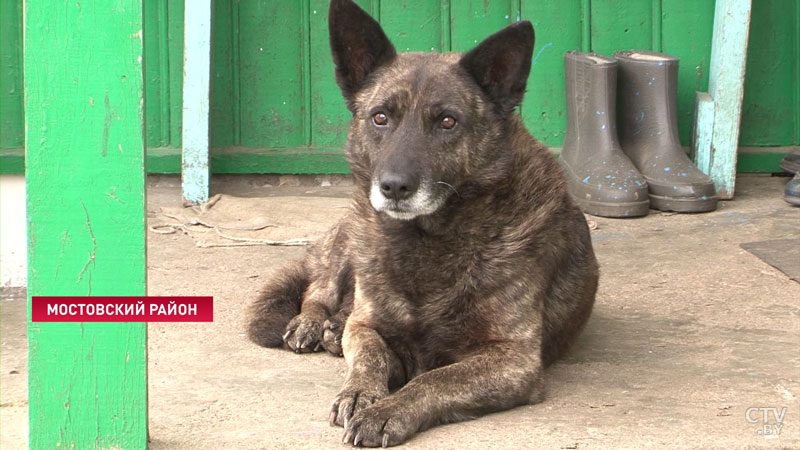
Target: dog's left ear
{"x":501,"y":63}
{"x":358,"y":44}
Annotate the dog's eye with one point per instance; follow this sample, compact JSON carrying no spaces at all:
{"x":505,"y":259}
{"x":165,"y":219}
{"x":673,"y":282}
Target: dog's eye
{"x":448,"y":122}
{"x":380,"y":119}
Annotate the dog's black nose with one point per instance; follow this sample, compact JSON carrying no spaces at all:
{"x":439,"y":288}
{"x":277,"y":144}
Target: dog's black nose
{"x":396,"y":186}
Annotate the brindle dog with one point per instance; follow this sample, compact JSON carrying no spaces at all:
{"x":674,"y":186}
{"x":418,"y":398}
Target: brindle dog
{"x":463,"y":267}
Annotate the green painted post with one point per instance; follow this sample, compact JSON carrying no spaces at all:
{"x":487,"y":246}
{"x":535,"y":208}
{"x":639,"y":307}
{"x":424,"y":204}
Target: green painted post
{"x":85,"y":175}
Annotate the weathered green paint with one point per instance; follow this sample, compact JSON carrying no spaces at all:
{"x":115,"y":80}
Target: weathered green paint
{"x":249,"y":84}
{"x":471,"y":21}
{"x":586,"y":25}
{"x":413,"y":25}
{"x":557,"y":31}
{"x":175,"y":45}
{"x":272,"y":98}
{"x":241,"y":160}
{"x":621,"y":28}
{"x":84,"y":115}
{"x":329,"y":115}
{"x":157,"y":74}
{"x":195,"y":170}
{"x":12,"y":125}
{"x":225,"y":112}
{"x":796,"y":57}
{"x":703,"y":132}
{"x":321,"y":160}
{"x":761,"y":159}
{"x":725,"y":89}
{"x":657,"y":16}
{"x":770,"y":64}
{"x":692,"y":44}
{"x":12,"y":161}
{"x":163,"y":38}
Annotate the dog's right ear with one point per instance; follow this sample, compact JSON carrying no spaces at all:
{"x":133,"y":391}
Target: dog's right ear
{"x":358,"y":44}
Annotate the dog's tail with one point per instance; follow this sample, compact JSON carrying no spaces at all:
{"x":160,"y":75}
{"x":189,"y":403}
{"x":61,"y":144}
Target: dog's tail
{"x":279,"y":301}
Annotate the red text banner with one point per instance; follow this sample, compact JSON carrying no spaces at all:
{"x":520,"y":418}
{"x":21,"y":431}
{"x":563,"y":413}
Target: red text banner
{"x":122,"y":309}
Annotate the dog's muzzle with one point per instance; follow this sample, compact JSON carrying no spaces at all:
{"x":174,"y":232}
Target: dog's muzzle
{"x":403,"y":199}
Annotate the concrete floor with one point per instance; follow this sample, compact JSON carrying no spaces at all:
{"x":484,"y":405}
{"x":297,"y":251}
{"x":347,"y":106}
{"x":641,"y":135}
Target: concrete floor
{"x":689,"y":331}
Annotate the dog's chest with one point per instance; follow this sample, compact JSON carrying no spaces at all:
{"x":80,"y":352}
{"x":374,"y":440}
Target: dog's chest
{"x":430,"y":271}
{"x":427,"y":298}
{"x":430,"y":334}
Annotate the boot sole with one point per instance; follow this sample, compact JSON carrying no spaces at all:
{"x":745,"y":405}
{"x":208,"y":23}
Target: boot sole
{"x":683,"y":205}
{"x":614,"y":210}
{"x":790,"y":166}
{"x":792,"y":200}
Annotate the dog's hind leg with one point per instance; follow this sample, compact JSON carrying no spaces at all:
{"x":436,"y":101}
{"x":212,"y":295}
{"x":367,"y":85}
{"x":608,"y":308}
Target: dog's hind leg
{"x":304,"y":332}
{"x":328,"y":298}
{"x":277,"y":304}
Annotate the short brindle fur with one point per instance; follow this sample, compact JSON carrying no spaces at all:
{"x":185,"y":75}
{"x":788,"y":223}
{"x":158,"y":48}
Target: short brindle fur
{"x":463,"y":267}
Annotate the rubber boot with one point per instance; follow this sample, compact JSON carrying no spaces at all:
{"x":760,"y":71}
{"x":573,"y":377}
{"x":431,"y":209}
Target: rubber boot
{"x":791,"y":162}
{"x":600,"y":178}
{"x":791,"y":193}
{"x":647,"y":113}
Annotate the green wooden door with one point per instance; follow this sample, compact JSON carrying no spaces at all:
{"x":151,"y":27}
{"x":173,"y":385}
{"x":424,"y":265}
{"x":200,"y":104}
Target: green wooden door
{"x":276,"y":107}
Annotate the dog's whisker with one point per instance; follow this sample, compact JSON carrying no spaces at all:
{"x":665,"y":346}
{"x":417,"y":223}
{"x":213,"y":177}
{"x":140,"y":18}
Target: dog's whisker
{"x":450,"y":186}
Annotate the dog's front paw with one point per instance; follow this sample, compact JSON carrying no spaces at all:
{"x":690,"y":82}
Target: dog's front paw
{"x":304,"y":334}
{"x":332,"y":335}
{"x":353,"y":398}
{"x":382,"y":424}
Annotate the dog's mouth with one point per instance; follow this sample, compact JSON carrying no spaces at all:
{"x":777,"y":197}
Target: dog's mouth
{"x":422,"y":203}
{"x":398,"y":212}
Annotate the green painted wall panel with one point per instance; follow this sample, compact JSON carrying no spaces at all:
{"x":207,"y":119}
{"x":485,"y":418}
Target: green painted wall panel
{"x":692,"y":44}
{"x":224,"y":74}
{"x":157,"y":86}
{"x":273,"y":82}
{"x":329,"y":115}
{"x":12,"y":126}
{"x":163,"y":40}
{"x":558,"y":30}
{"x":414,"y":25}
{"x":471,"y":21}
{"x":175,"y":45}
{"x":768,"y":105}
{"x":271,"y":47}
{"x":85,"y":175}
{"x":615,"y":27}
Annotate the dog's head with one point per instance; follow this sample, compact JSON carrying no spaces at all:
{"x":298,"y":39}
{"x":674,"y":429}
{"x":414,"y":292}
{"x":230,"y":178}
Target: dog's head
{"x":425,"y":126}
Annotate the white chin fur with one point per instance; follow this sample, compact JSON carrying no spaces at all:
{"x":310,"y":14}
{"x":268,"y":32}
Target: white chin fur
{"x":421,"y":203}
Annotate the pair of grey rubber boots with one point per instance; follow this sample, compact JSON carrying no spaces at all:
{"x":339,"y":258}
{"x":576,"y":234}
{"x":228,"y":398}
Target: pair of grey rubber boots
{"x":623,"y":172}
